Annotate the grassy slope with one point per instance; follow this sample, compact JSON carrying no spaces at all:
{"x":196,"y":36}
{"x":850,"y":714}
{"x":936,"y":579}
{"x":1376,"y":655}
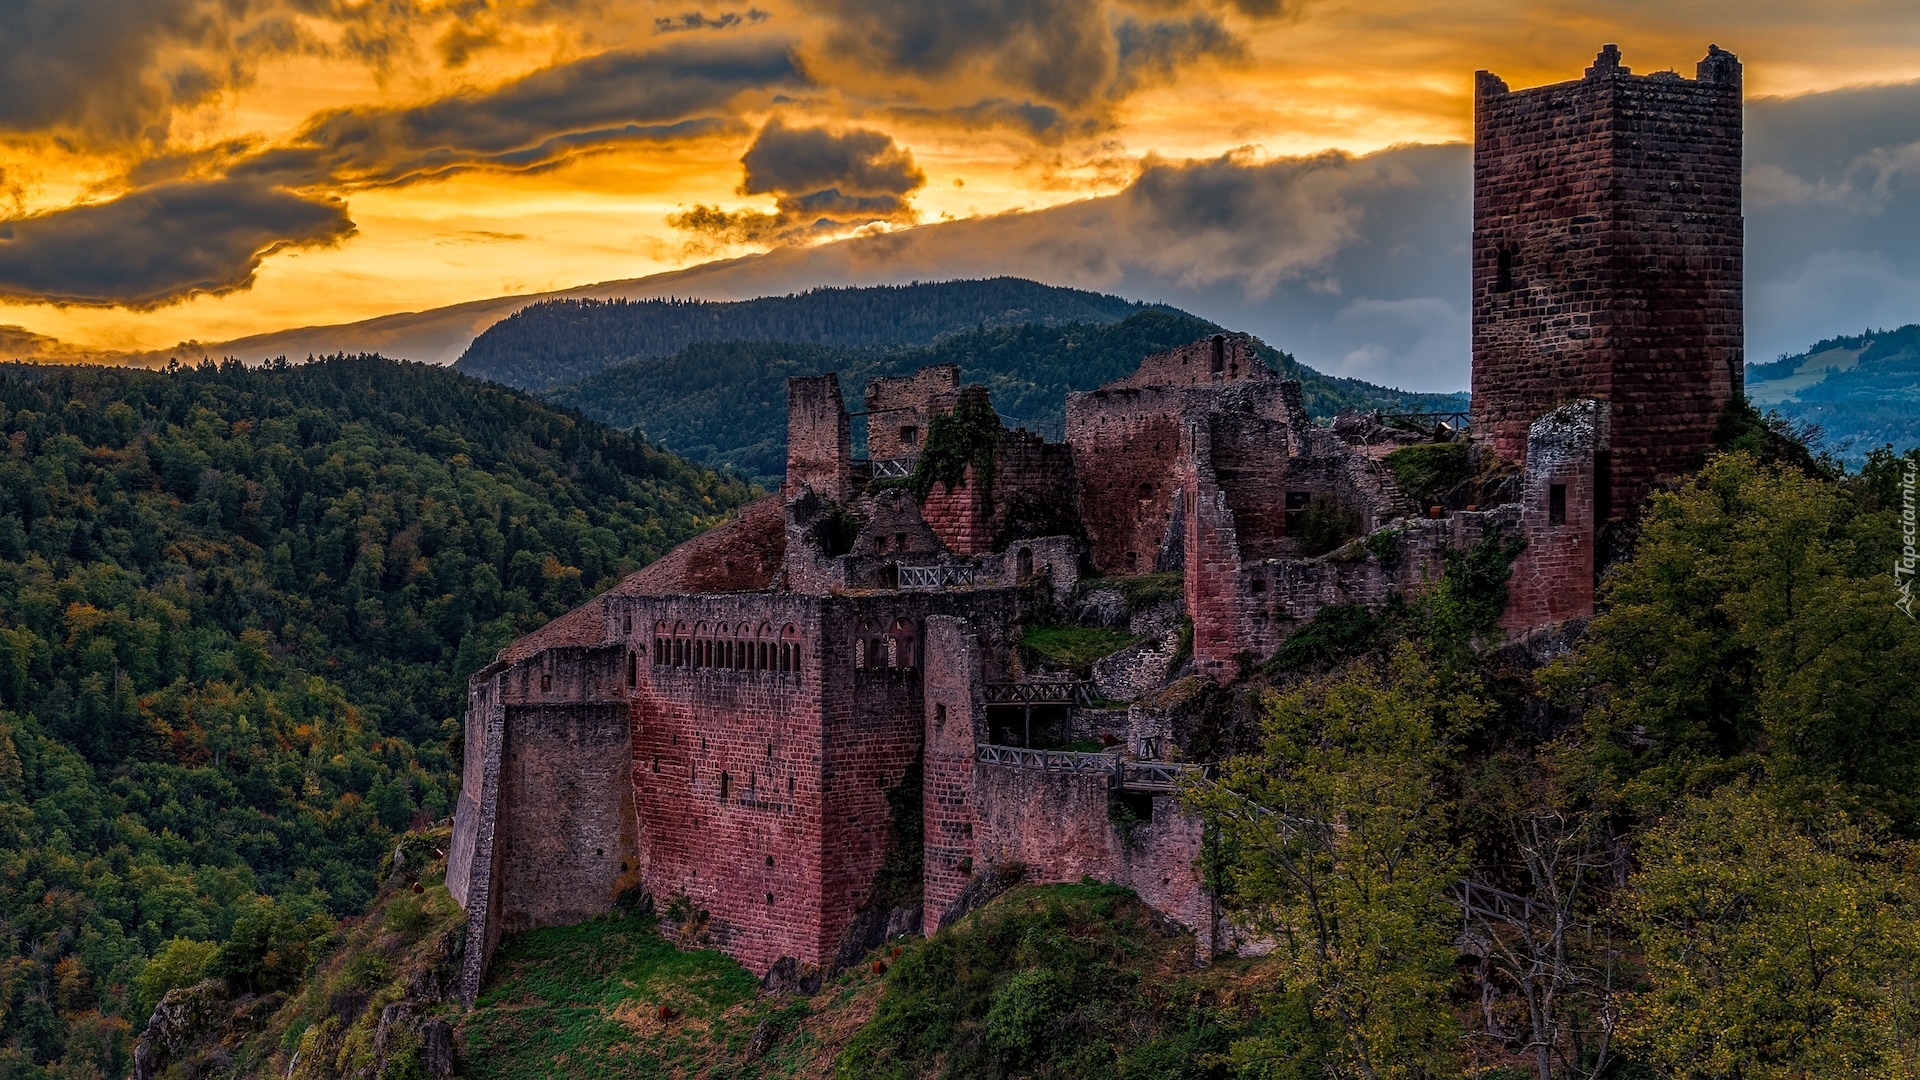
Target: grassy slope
{"x":1050,"y":981}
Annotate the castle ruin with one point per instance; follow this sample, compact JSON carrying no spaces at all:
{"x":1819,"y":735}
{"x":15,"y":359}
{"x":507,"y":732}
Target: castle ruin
{"x":747,"y":730}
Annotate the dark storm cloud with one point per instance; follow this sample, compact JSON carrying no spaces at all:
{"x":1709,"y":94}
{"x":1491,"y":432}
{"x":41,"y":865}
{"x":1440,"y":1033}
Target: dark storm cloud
{"x":694,"y":20}
{"x":1042,"y":123}
{"x":1152,"y":52}
{"x":162,"y":244}
{"x":786,"y":160}
{"x":1059,"y":50}
{"x":822,"y":180}
{"x":98,"y":70}
{"x":1833,"y":215}
{"x":535,"y":121}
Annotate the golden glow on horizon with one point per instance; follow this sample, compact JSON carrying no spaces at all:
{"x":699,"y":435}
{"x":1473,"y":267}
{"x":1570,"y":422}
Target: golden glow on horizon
{"x":1347,"y":75}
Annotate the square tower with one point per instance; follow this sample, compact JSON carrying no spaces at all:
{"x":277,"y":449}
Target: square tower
{"x":1607,"y":243}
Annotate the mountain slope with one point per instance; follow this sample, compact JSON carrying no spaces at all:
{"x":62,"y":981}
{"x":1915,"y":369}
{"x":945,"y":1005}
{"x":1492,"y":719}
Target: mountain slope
{"x":1862,"y":391}
{"x":237,"y":611}
{"x":724,"y":403}
{"x":564,"y":340}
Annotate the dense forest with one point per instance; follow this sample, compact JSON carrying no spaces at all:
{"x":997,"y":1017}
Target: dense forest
{"x":724,"y":402}
{"x":566,"y":340}
{"x":237,"y":609}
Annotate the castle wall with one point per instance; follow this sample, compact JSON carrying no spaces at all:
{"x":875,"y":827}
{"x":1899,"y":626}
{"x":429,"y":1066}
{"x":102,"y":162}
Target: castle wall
{"x":900,"y":408}
{"x":1124,"y":444}
{"x":959,"y":516}
{"x":1061,"y":827}
{"x":1553,"y":577}
{"x":819,"y":438}
{"x":1607,"y":251}
{"x":567,"y":838}
{"x":1211,"y":361}
{"x":956,"y":721}
{"x":727,"y":767}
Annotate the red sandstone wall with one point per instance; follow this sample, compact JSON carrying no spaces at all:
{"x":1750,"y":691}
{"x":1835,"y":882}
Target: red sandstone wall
{"x":1553,"y":578}
{"x":690,"y":726}
{"x":873,"y":721}
{"x":955,"y":713}
{"x":819,"y":438}
{"x":1124,"y":445}
{"x":958,"y":516}
{"x":1209,"y":361}
{"x":1058,"y":825}
{"x":1617,"y":199}
{"x":567,"y":839}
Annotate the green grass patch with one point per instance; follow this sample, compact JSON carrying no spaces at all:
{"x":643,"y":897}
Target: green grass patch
{"x":584,"y":1001}
{"x":1428,"y":471}
{"x":1049,"y":982}
{"x":1074,"y":646}
{"x":1146,"y":590}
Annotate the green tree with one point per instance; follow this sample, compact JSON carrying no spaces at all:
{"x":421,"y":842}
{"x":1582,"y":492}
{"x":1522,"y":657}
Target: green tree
{"x":1338,"y":831}
{"x":1754,"y":627}
{"x":1776,"y":948}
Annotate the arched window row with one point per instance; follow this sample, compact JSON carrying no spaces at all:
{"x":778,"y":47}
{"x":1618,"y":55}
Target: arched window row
{"x":879,"y":645}
{"x":727,"y":647}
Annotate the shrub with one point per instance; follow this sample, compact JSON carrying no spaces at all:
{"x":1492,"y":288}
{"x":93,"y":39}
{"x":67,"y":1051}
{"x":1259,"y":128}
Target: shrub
{"x":180,"y":962}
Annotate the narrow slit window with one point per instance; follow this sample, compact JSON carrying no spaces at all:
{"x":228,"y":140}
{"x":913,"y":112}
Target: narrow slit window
{"x":1503,"y":271}
{"x":1557,"y":504}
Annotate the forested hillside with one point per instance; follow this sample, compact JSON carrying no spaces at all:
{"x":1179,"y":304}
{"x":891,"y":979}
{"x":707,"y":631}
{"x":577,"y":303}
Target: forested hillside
{"x":237,"y":609}
{"x":565,"y":340}
{"x":1861,"y":392}
{"x":724,"y":403}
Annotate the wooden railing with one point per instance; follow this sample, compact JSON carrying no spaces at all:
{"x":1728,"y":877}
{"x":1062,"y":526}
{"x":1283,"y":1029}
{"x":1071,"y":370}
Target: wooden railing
{"x":1058,"y":692}
{"x":937,"y":577}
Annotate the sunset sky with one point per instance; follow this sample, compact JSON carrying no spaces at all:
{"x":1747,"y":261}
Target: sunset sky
{"x":206,"y":169}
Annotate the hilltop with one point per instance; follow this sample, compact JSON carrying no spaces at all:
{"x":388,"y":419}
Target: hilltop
{"x":564,"y":340}
{"x":1862,"y":391}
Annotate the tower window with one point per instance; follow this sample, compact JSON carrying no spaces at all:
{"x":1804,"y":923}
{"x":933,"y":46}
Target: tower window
{"x":1557,"y":504}
{"x":1218,"y":364}
{"x":910,"y":437}
{"x":1503,"y":272}
{"x":726,"y":784}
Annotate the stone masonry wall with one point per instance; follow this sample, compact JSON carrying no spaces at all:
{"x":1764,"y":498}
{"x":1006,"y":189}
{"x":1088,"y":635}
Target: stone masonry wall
{"x":873,"y":722}
{"x":1124,"y":445}
{"x":1607,"y":251}
{"x":1210,"y":361}
{"x":1553,"y":578}
{"x":899,"y":409}
{"x":956,"y":720}
{"x":819,"y":438}
{"x":1060,"y":826}
{"x":566,"y":832}
{"x":726,"y":774}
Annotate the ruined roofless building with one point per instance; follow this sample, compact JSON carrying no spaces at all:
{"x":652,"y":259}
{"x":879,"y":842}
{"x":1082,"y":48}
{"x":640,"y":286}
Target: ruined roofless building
{"x":1607,"y":245}
{"x":749,"y":729}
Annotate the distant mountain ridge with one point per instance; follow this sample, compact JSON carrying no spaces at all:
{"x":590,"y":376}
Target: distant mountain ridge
{"x":560,"y":341}
{"x":724,"y":403}
{"x":1863,"y":391}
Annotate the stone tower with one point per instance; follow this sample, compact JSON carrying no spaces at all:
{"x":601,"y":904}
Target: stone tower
{"x":1607,"y":243}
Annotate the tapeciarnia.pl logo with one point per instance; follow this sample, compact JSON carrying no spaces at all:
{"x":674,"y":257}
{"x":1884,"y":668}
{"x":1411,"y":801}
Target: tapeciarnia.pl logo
{"x":1904,"y":566}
